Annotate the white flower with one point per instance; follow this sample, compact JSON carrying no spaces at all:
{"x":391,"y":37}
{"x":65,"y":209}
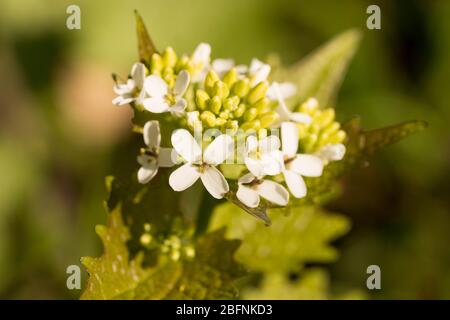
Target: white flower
{"x":222,"y":66}
{"x":132,"y":89}
{"x":198,"y":166}
{"x":294,"y":165}
{"x":331,"y":152}
{"x":153,"y":156}
{"x":163,"y":99}
{"x":283,"y":111}
{"x":252,"y":188}
{"x":258,"y":72}
{"x":285,"y":89}
{"x":260,"y":156}
{"x":201,"y":59}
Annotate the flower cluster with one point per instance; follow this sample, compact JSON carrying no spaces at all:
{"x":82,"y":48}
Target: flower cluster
{"x":232,"y":103}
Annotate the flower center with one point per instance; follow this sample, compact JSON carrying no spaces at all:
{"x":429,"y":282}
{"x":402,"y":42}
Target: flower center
{"x":170,"y":99}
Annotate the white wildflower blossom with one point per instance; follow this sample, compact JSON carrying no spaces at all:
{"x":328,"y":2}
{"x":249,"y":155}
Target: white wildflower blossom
{"x":283,"y":111}
{"x":153,"y":156}
{"x":294,"y":165}
{"x":251,"y":188}
{"x":201,"y":164}
{"x":132,"y":89}
{"x":260,"y":156}
{"x":162,"y":98}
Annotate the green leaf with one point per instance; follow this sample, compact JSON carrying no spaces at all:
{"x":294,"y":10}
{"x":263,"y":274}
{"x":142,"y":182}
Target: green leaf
{"x":212,"y":273}
{"x":112,"y":274}
{"x":321,"y":73}
{"x":292,"y":240}
{"x":361,"y":145}
{"x":312,"y":285}
{"x":129,"y":270}
{"x":146,"y":48}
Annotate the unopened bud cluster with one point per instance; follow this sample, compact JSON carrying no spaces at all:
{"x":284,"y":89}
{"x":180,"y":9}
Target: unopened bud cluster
{"x":231,"y":103}
{"x":322,"y":130}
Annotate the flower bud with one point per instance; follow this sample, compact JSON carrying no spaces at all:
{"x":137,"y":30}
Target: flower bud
{"x":258,"y":92}
{"x":241,"y":88}
{"x":202,"y":99}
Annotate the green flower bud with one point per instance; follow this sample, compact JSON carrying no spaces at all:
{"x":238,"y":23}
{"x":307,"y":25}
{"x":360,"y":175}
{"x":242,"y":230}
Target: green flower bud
{"x":169,"y":57}
{"x":268,"y":119}
{"x":230,"y":77}
{"x":258,"y":92}
{"x":202,"y":99}
{"x":220,"y":122}
{"x":214,"y":104}
{"x":156,"y":63}
{"x":240,"y":110}
{"x":255,"y":125}
{"x":250,"y":114}
{"x":262,"y":105}
{"x":231,"y":104}
{"x":220,"y":89}
{"x":232,"y":124}
{"x":208,"y":118}
{"x":241,"y":88}
{"x":210,"y":80}
{"x":325,"y":117}
{"x":224,"y":114}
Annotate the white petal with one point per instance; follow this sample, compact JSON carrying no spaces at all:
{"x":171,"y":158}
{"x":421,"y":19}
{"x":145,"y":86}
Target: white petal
{"x":295,"y":183}
{"x":282,"y":109}
{"x":333,"y":152}
{"x":300,"y":117}
{"x":167,"y":157}
{"x":121,"y":100}
{"x":306,"y":165}
{"x":178,"y":108}
{"x":274,"y":192}
{"x":255,"y":65}
{"x":248,"y":196}
{"x":289,"y":136}
{"x":124,"y":88}
{"x":286,"y":89}
{"x":220,"y":66}
{"x":254,"y":166}
{"x":260,"y":75}
{"x":311,"y":103}
{"x":186,"y":146}
{"x":251,"y":144}
{"x":246,"y":178}
{"x":152,"y":134}
{"x":269,"y":144}
{"x":271,"y":166}
{"x":156,"y":105}
{"x":155,"y":86}
{"x":184,"y":177}
{"x":219,"y":150}
{"x":214,"y":182}
{"x":181,"y":84}
{"x":145,"y":174}
{"x":201,"y":54}
{"x":138,"y":74}
{"x":193,"y":119}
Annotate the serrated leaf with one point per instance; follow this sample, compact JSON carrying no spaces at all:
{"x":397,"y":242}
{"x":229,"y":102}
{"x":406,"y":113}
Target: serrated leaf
{"x":112,"y":274}
{"x":292,"y":240}
{"x":312,"y":285}
{"x":146,"y":48}
{"x":212,"y":273}
{"x":321,"y":73}
{"x":361,"y":145}
{"x":208,"y":275}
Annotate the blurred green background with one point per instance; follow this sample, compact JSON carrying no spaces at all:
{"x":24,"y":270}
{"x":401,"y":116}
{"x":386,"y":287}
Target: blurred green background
{"x":60,"y":135}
